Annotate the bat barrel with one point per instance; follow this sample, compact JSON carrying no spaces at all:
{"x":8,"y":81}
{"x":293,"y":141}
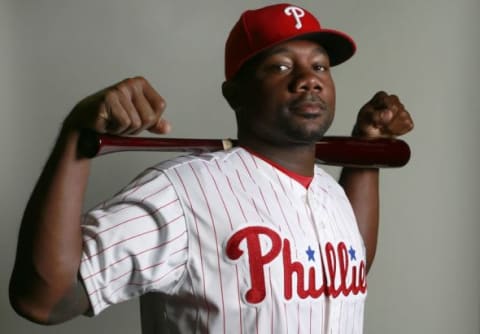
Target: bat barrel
{"x":358,"y":152}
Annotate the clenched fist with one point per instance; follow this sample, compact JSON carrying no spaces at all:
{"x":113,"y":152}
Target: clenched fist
{"x":383,"y":116}
{"x":125,"y":108}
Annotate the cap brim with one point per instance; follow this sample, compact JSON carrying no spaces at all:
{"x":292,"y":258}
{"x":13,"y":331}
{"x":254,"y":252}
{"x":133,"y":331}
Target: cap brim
{"x":339,"y":46}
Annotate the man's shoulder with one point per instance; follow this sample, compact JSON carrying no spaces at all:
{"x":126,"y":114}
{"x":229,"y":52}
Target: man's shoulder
{"x":217,"y":160}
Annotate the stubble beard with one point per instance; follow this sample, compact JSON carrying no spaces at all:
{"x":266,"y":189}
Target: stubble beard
{"x":304,"y":134}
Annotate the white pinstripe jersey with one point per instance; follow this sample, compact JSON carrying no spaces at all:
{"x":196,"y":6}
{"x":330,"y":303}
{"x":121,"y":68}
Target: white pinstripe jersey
{"x":227,"y":243}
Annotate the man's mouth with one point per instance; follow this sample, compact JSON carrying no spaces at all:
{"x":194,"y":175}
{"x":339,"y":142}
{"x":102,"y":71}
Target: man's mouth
{"x":309,"y":106}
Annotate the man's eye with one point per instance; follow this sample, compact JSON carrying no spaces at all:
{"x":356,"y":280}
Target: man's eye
{"x":279,"y":67}
{"x":320,"y":68}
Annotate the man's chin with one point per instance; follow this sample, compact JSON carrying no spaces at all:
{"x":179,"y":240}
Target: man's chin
{"x":309,"y":132}
{"x":306,"y":137}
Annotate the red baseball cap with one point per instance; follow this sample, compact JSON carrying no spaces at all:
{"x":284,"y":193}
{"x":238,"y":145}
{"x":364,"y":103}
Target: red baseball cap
{"x":260,"y":29}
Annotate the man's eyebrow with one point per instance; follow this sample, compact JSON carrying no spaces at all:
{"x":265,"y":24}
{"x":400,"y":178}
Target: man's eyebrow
{"x":285,"y":49}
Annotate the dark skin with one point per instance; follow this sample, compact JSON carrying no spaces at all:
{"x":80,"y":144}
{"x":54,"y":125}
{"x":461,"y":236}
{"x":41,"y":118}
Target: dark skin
{"x":284,"y":103}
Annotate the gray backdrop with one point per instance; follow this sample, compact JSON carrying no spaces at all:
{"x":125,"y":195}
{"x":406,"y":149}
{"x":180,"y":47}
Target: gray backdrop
{"x":426,"y":275}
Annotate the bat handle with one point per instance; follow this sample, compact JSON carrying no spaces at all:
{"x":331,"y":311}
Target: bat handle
{"x":91,"y":144}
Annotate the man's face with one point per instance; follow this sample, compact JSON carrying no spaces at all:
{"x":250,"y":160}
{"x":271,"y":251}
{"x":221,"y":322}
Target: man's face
{"x":288,"y":95}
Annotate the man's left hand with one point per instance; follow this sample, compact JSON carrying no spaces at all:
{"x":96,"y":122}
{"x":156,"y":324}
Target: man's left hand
{"x":383,"y":116}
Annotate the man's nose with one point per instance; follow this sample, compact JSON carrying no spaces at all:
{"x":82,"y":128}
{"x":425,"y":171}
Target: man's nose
{"x":306,"y":80}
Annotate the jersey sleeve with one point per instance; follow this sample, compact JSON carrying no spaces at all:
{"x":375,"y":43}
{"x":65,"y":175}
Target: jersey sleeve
{"x":134,"y":243}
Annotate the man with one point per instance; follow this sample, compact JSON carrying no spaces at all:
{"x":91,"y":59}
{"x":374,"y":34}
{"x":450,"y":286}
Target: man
{"x":254,"y":239}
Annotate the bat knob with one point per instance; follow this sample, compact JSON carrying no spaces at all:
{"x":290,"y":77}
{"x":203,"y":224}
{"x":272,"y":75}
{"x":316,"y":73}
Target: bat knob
{"x":88,"y":144}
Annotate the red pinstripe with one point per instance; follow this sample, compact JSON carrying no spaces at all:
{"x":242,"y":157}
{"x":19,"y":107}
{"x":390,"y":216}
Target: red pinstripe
{"x":120,"y":242}
{"x":256,"y":209}
{"x":245,"y":165}
{"x":134,"y":189}
{"x":264,"y":201}
{"x":130,"y":256}
{"x":129,"y":220}
{"x":285,"y":220}
{"x":300,"y":224}
{"x":340,"y":320}
{"x":280,"y":182}
{"x":231,"y":226}
{"x":221,"y":197}
{"x":157,"y":192}
{"x":161,"y":262}
{"x":207,"y":305}
{"x":240,"y":180}
{"x":256,"y":320}
{"x":310,"y":319}
{"x":272,"y":315}
{"x":298,"y":318}
{"x":216,"y":244}
{"x":236,"y":197}
{"x":286,"y":317}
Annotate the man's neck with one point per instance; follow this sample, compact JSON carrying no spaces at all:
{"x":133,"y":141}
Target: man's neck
{"x":298,"y":158}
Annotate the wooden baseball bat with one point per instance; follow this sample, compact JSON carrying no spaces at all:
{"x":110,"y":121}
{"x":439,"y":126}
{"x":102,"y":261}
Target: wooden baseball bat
{"x":330,"y":150}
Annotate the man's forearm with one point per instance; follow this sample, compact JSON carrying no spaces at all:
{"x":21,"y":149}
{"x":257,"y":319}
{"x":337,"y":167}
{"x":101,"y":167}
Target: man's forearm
{"x":50,"y":244}
{"x":362,"y":189}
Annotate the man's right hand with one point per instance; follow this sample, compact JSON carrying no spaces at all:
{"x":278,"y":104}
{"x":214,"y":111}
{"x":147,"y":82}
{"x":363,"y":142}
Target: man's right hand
{"x":126,"y":108}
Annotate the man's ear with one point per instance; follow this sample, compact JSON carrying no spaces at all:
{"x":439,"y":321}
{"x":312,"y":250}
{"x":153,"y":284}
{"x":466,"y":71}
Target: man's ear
{"x":231,"y":93}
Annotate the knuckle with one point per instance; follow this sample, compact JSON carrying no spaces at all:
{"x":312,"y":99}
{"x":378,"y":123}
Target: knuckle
{"x":139,"y":79}
{"x":129,"y":86}
{"x":135,"y":124}
{"x":380,"y":95}
{"x":128,"y":81}
{"x":138,"y":83}
{"x":158,"y":104}
{"x":124,"y":88}
{"x":406,"y":117}
{"x":123,"y":119}
{"x":124,"y":85}
{"x":395,"y":99}
{"x":126,"y":122}
{"x":111,"y":95}
{"x":379,"y":100}
{"x":162,"y":104}
{"x":150,"y":118}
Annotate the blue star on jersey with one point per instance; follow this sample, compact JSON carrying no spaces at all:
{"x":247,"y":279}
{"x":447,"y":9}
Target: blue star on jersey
{"x":311,"y":254}
{"x":353,"y":256}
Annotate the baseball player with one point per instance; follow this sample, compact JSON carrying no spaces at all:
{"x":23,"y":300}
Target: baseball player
{"x":256,"y":239}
